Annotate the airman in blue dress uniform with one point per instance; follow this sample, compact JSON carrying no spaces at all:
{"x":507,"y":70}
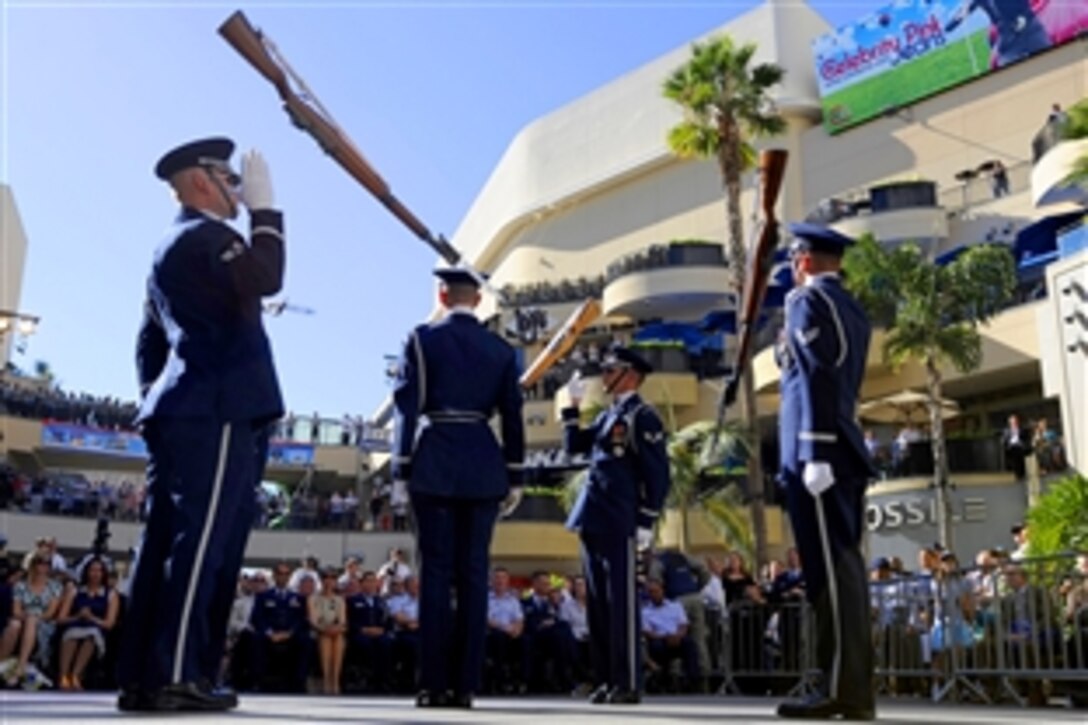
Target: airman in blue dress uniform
{"x":209,"y":391}
{"x":825,"y":468}
{"x":614,"y":515}
{"x":454,"y":375}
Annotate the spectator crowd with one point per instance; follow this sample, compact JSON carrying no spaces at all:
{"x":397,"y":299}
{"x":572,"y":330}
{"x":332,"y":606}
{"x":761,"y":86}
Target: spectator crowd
{"x":352,"y":629}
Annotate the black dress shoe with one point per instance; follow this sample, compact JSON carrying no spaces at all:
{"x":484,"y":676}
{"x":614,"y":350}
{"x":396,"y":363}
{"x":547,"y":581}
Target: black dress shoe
{"x":616,"y":696}
{"x":226,"y":694}
{"x":599,"y":696}
{"x":461,"y":700}
{"x":426,"y":698}
{"x":189,"y":696}
{"x":132,"y":699}
{"x":821,"y":708}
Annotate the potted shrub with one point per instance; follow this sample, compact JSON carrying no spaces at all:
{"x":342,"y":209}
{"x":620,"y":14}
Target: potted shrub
{"x":695,"y":252}
{"x":666,"y":356}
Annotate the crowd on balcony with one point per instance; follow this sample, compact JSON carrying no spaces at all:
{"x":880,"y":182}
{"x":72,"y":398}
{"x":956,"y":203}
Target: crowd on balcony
{"x":908,"y":452}
{"x":352,"y":628}
{"x":53,"y":403}
{"x":553,"y":293}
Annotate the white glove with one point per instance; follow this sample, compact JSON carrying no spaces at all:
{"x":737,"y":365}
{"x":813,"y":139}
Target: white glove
{"x":256,"y":183}
{"x":644,"y":538}
{"x":510,"y":502}
{"x":818,"y":477}
{"x":576,"y":388}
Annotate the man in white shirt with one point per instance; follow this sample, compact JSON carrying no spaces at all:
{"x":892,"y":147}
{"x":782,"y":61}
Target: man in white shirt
{"x":505,"y":623}
{"x":393,"y":569}
{"x":665,"y":627}
{"x":403,"y":609}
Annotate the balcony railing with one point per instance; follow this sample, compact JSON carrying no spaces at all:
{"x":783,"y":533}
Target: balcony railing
{"x":967,"y":455}
{"x":553,"y":293}
{"x":693,"y":253}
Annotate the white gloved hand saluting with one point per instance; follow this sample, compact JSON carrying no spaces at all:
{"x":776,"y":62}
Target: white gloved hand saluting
{"x":818,"y":477}
{"x":510,"y":503}
{"x":256,"y":182}
{"x":576,"y":388}
{"x":644,"y":538}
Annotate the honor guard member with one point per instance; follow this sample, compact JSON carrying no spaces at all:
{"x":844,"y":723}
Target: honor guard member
{"x":454,"y":375}
{"x":615,"y":514}
{"x":209,"y":392}
{"x":825,"y":468}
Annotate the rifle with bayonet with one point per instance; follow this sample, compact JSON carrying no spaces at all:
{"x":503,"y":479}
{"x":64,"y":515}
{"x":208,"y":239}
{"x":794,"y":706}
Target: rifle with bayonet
{"x":307,"y":113}
{"x":772,"y":169}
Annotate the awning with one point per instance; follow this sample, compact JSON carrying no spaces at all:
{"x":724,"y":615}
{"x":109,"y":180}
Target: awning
{"x":1041,"y":237}
{"x":949,"y":256}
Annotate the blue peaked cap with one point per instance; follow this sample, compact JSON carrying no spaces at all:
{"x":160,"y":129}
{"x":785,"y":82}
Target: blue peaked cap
{"x":456,"y":276}
{"x":816,"y":238}
{"x":619,"y":356}
{"x":204,"y":152}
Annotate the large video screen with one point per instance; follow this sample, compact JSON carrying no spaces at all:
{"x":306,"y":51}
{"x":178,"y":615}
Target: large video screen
{"x":914,"y":48}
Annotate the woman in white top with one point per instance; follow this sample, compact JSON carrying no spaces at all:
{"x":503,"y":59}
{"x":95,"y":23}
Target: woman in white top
{"x":328,"y":617}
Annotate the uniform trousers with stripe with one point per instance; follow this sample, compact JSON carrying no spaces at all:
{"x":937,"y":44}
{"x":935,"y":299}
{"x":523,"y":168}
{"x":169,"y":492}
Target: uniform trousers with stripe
{"x":454,"y":536}
{"x":828,"y":533}
{"x":612,"y":610}
{"x":202,"y":477}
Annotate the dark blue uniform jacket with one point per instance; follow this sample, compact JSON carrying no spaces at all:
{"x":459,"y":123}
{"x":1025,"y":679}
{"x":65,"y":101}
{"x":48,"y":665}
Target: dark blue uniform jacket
{"x":629,"y":468}
{"x":454,"y":375}
{"x":822,"y":355}
{"x":202,"y":351}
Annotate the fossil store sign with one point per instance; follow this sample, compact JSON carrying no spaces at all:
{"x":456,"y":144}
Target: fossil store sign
{"x":900,"y":523}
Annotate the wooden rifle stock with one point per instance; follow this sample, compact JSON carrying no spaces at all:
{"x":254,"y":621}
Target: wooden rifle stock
{"x":252,"y":45}
{"x":772,"y":169}
{"x":562,"y":341}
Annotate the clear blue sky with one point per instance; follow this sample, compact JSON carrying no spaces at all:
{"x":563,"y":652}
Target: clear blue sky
{"x":93,"y":93}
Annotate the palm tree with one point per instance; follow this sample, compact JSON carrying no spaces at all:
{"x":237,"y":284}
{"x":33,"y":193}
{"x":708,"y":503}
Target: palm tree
{"x":702,"y":477}
{"x":701,"y":480}
{"x":931,"y":314}
{"x":727,"y":104}
{"x":1076,"y":128}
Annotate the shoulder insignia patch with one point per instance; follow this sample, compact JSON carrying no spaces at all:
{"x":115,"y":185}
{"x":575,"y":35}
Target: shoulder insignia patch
{"x":654,"y":436}
{"x":232,"y":252}
{"x":805,"y":337}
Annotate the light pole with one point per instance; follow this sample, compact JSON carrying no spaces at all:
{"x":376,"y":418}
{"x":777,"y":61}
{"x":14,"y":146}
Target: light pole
{"x":19,"y":323}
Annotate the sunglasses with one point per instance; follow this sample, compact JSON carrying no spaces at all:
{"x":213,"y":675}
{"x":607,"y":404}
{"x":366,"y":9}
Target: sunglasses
{"x":233,"y":179}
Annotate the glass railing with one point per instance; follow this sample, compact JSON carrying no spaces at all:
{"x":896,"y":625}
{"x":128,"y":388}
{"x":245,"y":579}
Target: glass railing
{"x":968,"y":455}
{"x":981,"y":188}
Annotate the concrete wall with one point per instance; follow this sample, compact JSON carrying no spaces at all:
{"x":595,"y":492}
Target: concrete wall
{"x":13,"y":245}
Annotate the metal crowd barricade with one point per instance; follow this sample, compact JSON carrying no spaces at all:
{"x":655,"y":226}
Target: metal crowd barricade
{"x":767,"y":648}
{"x":1009,"y":631}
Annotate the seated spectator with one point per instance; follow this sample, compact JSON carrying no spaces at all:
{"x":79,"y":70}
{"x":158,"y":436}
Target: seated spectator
{"x":404,"y":612}
{"x":394,"y":569}
{"x":280,"y":634}
{"x":369,"y":640}
{"x":548,"y":639}
{"x":573,"y":612}
{"x":665,"y":627}
{"x":327,"y":613}
{"x":505,"y":624}
{"x":88,"y":612}
{"x":683,"y":582}
{"x":238,"y":656}
{"x":35,"y":604}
